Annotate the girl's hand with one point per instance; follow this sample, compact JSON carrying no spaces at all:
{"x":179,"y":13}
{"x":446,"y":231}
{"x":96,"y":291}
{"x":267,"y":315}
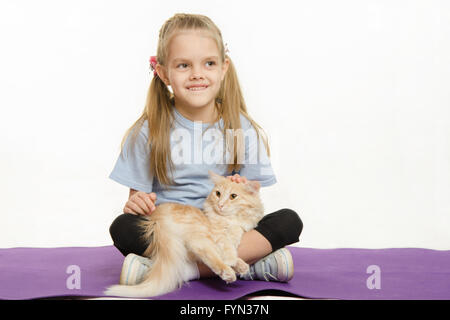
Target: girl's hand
{"x":237,"y":178}
{"x":255,"y":185}
{"x":141,"y":203}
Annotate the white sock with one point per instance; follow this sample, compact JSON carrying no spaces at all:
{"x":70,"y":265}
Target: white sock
{"x":191,"y":272}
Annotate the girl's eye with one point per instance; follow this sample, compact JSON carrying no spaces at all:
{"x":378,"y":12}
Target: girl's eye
{"x":218,"y":193}
{"x":185,"y":65}
{"x":233,"y":195}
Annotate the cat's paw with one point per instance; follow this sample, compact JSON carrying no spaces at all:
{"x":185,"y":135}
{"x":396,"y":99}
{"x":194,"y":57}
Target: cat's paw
{"x":241,"y":267}
{"x":228,"y":275}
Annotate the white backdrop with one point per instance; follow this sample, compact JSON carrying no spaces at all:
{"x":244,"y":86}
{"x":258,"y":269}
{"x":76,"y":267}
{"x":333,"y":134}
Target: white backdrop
{"x":354,"y":96}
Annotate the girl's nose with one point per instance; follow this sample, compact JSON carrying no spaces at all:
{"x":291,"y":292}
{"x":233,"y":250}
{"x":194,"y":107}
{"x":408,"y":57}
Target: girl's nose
{"x":195,"y":76}
{"x":196,"y":73}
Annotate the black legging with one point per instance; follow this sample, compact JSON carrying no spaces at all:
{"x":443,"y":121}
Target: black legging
{"x":280,"y":228}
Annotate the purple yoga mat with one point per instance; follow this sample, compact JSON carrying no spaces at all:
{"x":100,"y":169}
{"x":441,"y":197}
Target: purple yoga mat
{"x":400,"y":273}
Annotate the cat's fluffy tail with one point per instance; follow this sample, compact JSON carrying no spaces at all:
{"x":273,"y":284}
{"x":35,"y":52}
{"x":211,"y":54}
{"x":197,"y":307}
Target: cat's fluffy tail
{"x":169,"y":257}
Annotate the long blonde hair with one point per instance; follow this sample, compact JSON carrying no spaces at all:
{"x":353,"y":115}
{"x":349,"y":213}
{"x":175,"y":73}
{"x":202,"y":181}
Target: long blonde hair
{"x":159,"y":103}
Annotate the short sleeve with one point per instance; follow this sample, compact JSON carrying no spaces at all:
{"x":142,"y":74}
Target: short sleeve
{"x":256,"y":166}
{"x":132,"y":168}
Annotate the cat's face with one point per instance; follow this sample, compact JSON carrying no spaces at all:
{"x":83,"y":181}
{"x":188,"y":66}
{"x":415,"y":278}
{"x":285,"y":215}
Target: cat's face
{"x":228,"y":197}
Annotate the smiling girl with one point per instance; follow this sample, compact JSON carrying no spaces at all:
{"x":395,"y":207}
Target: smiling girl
{"x":205,"y":94}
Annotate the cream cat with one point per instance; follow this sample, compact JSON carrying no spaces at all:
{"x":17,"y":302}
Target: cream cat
{"x":181,"y":234}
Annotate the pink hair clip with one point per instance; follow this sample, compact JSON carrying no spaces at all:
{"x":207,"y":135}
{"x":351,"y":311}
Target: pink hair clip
{"x":153,"y":63}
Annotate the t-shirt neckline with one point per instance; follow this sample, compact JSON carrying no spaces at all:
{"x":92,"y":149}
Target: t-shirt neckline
{"x":189,"y":123}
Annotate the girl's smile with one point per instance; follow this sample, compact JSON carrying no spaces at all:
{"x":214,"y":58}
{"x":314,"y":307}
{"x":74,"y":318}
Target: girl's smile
{"x":197,"y":87}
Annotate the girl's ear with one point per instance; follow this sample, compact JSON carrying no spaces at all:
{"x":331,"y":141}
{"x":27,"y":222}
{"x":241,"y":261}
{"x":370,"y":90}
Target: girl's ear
{"x":162,"y":74}
{"x":216,"y":178}
{"x":225,"y":66}
{"x":252,"y":186}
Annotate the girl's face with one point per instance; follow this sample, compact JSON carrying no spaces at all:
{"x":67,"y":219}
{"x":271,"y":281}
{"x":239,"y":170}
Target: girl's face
{"x":193,"y":69}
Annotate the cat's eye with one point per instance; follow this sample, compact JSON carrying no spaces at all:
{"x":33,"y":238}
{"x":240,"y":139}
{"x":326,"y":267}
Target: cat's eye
{"x":218,"y":193}
{"x":233,"y":195}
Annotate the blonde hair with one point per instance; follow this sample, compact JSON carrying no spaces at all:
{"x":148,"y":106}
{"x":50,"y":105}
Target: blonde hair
{"x":158,"y":108}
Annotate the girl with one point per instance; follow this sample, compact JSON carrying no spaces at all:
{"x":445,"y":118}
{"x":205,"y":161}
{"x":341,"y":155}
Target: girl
{"x":205,"y":94}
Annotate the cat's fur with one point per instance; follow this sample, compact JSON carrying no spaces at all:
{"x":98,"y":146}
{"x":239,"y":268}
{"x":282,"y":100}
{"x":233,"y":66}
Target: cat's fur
{"x":181,"y":234}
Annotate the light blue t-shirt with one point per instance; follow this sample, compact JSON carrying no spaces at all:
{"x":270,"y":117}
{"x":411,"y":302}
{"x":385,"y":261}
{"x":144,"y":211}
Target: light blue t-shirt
{"x":193,"y":154}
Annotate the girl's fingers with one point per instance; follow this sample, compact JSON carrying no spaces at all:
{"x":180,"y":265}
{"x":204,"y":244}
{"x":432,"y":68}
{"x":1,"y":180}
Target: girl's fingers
{"x":133,"y":208}
{"x":153,"y":197}
{"x":234,"y":177}
{"x":237,"y":178}
{"x":128,"y":210}
{"x":149,"y":202}
{"x":140,"y":202}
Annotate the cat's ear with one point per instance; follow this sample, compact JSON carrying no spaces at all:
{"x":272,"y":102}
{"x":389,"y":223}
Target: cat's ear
{"x":216,"y":178}
{"x":252,"y":186}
